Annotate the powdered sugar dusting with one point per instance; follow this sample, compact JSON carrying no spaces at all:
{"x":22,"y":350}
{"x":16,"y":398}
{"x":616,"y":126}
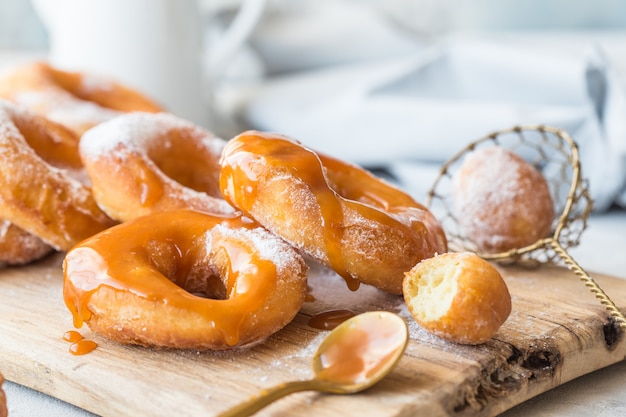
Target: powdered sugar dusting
{"x":64,"y":108}
{"x":144,"y":149}
{"x":134,"y":130}
{"x":331,"y":293}
{"x":94,"y":83}
{"x":268,"y":245}
{"x":494,"y":180}
{"x":7,"y":127}
{"x":138,"y":131}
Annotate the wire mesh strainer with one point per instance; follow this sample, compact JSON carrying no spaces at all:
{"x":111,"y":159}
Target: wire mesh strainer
{"x":555,"y":154}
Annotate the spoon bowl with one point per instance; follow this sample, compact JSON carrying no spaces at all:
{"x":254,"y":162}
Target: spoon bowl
{"x":354,"y":356}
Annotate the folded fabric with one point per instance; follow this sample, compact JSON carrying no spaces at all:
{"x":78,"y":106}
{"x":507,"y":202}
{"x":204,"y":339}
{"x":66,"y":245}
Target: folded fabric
{"x":427,"y":107}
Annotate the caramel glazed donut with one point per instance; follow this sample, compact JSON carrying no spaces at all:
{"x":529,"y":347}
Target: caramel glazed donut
{"x":76,"y":100}
{"x":339,"y":214}
{"x":140,"y":163}
{"x":197,"y":281}
{"x":43,"y":206}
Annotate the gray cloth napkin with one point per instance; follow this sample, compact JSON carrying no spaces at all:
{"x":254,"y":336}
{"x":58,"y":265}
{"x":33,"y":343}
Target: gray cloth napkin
{"x":422,"y":109}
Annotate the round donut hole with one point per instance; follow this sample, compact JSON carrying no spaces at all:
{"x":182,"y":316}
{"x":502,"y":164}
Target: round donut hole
{"x":165,"y":256}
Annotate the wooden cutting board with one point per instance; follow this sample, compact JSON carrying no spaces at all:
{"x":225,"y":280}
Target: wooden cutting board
{"x":556,"y":332}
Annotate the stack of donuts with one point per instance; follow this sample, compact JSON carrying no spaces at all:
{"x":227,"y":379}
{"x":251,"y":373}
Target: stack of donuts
{"x":46,"y":202}
{"x":177,"y":238}
{"x":253,"y":204}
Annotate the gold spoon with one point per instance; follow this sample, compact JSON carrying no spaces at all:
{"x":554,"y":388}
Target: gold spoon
{"x":354,"y":356}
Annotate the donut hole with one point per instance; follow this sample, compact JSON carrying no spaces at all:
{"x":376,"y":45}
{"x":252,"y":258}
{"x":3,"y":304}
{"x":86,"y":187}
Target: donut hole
{"x":51,"y":142}
{"x":457,"y":296}
{"x":502,"y":202}
{"x":98,"y":90}
{"x":75,"y":85}
{"x":199,"y":278}
{"x":200,"y":170}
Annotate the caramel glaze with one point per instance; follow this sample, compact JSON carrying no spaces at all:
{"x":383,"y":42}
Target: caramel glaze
{"x":253,"y":160}
{"x":82,"y":347}
{"x":79,"y":345}
{"x":72,"y":336}
{"x":155,"y":258}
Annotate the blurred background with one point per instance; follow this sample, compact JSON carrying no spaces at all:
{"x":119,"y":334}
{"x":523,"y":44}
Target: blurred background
{"x":20,"y":28}
{"x":402,"y":84}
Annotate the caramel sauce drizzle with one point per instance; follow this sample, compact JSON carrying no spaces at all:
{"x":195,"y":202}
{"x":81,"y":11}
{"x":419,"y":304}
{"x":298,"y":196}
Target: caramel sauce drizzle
{"x":79,"y":345}
{"x":121,"y":260}
{"x":82,"y":347}
{"x":328,"y":320}
{"x":257,"y":153}
{"x":150,"y":186}
{"x":72,"y":336}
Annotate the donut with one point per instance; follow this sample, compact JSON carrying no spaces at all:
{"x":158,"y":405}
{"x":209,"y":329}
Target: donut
{"x":337,"y":213}
{"x":140,"y":163}
{"x":197,"y":281}
{"x":501,"y":201}
{"x":459,"y":297}
{"x":39,"y":192}
{"x":76,"y":100}
{"x":4,"y":412}
{"x":18,"y":247}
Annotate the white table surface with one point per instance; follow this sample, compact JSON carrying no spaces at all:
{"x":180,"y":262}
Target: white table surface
{"x":602,"y":393}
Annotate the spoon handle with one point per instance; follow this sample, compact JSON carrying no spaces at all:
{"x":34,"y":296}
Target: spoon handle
{"x":266,"y":397}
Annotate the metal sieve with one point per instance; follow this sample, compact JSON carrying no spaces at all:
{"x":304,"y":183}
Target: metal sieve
{"x":555,"y":154}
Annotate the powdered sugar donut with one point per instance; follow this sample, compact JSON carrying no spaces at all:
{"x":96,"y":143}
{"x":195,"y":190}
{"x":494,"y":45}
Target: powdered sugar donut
{"x":76,"y":100}
{"x":140,"y":163}
{"x":501,"y":201}
{"x":38,"y":191}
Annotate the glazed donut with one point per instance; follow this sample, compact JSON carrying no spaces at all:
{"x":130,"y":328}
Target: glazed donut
{"x":140,"y":163}
{"x":501,"y":201}
{"x":18,"y":247}
{"x":198,"y":281}
{"x":4,"y":412}
{"x":39,"y":192}
{"x":76,"y":100}
{"x":339,"y":214}
{"x":459,"y":297}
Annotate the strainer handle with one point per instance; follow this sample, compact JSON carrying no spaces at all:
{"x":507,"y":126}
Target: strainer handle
{"x":590,"y":283}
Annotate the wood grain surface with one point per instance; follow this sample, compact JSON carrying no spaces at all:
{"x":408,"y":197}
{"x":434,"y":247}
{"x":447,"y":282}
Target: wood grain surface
{"x":556,"y":332}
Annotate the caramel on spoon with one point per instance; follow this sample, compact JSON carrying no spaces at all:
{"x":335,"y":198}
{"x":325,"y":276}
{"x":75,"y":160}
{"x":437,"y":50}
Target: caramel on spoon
{"x":354,"y":356}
